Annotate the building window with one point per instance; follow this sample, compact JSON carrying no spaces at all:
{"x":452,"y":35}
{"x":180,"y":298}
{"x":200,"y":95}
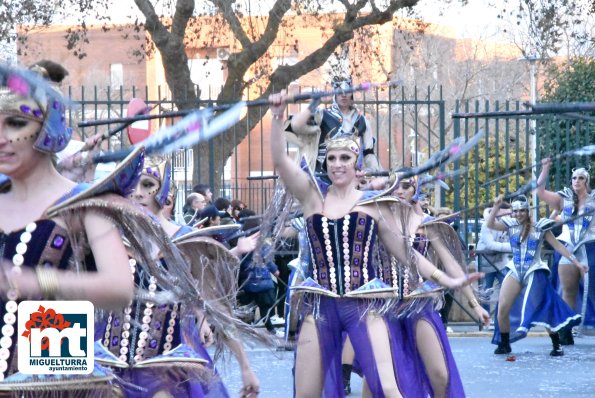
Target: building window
{"x":116,"y":75}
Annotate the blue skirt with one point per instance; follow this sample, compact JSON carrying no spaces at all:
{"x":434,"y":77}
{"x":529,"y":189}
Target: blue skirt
{"x":537,"y":304}
{"x":585,"y":299}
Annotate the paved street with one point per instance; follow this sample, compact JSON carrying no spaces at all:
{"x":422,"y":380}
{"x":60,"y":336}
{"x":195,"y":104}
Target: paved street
{"x":534,"y":374}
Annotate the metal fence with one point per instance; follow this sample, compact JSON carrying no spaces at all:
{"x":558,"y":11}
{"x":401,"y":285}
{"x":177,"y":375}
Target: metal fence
{"x":408,"y":127}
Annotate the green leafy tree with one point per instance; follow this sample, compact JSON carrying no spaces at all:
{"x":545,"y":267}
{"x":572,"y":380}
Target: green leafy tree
{"x":482,"y":184}
{"x":570,"y":82}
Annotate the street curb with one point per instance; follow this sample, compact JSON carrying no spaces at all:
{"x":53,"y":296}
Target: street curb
{"x":491,"y":333}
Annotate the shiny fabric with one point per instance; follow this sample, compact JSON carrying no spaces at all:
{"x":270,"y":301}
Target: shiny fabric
{"x":350,"y":241}
{"x":585,"y":299}
{"x":538,"y":304}
{"x":28,"y":95}
{"x":338,"y":316}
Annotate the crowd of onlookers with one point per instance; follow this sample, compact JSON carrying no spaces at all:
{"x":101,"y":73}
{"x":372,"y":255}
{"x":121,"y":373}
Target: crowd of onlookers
{"x":260,"y":286}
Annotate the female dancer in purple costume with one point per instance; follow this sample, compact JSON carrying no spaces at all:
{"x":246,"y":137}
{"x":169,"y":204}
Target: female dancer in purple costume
{"x":32,"y":129}
{"x":571,"y":203}
{"x":318,"y":353}
{"x":152,"y":193}
{"x":426,"y":326}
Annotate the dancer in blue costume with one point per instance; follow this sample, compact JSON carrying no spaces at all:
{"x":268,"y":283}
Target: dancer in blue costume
{"x":571,"y":202}
{"x":344,"y":293}
{"x":159,"y":350}
{"x":40,"y":250}
{"x":527,"y":297}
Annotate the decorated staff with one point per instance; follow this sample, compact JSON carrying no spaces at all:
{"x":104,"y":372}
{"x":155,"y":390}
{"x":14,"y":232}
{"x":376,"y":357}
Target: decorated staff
{"x":567,"y":110}
{"x":315,"y":95}
{"x":587,"y":150}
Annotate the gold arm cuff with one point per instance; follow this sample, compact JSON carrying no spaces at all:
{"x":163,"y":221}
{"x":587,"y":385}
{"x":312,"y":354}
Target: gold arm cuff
{"x":436,"y":275}
{"x":48,"y":281}
{"x":473,"y":303}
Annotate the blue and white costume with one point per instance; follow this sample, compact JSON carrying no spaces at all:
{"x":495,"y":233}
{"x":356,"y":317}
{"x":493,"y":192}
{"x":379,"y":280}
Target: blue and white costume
{"x":538,"y":303}
{"x":582,"y":245}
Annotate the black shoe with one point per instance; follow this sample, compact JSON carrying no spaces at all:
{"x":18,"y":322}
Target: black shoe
{"x":557,"y":352}
{"x":347,"y":388}
{"x":566,"y":337}
{"x":347,"y":378}
{"x":503,"y":349}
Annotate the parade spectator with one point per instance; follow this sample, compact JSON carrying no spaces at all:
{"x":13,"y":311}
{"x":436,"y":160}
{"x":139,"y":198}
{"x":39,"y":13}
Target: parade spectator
{"x":212,"y":215}
{"x":195,"y":203}
{"x":236,"y":207}
{"x":256,"y":280}
{"x":224,"y":207}
{"x":494,"y":246}
{"x":205,"y":191}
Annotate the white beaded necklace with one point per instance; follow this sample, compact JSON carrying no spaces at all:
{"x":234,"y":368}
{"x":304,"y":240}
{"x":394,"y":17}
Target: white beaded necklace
{"x":11,"y":305}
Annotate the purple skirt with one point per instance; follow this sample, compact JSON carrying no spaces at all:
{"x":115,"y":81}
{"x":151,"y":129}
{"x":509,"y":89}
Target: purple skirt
{"x":404,"y":329}
{"x":336,"y":317}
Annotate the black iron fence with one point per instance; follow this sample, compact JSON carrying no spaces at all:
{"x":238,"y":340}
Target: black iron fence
{"x":408,"y":128}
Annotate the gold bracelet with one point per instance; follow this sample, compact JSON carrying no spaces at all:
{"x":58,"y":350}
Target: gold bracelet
{"x":48,"y":281}
{"x":473,"y":303}
{"x":436,"y":275}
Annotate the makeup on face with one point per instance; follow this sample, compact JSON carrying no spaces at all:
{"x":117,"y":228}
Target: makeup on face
{"x":18,"y":129}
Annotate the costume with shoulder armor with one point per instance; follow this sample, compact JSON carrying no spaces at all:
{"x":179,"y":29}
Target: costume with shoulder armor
{"x":582,"y":245}
{"x":46,"y":243}
{"x":147,"y":338}
{"x":344,"y":283}
{"x":538,"y":303}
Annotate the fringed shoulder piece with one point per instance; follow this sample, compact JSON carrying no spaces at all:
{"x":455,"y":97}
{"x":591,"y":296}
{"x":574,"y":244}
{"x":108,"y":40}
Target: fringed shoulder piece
{"x":148,"y":243}
{"x":215,"y":270}
{"x":449,"y":237}
{"x":120,"y":181}
{"x":380,"y":195}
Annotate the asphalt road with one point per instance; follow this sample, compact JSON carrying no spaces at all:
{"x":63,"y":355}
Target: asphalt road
{"x":534,"y":374}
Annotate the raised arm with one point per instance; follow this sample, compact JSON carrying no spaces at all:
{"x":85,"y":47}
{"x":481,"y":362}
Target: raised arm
{"x":551,"y":198}
{"x":295,"y":180}
{"x":492,"y":222}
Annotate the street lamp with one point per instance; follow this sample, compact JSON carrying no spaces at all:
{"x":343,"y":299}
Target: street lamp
{"x":533,"y":58}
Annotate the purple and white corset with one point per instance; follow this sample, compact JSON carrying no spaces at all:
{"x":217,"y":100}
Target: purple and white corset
{"x":341,"y":251}
{"x":142,"y":330}
{"x":42,"y":243}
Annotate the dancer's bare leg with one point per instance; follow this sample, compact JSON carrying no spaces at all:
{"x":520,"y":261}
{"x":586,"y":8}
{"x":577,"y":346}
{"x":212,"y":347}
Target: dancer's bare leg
{"x":347,"y":355}
{"x":308,"y":364}
{"x":508,"y":293}
{"x":569,"y":279}
{"x":432,"y":355}
{"x":378,"y":333}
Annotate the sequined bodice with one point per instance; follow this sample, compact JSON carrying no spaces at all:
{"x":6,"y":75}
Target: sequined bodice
{"x":581,"y":228}
{"x":142,"y":330}
{"x":341,"y":250}
{"x":47,"y":245}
